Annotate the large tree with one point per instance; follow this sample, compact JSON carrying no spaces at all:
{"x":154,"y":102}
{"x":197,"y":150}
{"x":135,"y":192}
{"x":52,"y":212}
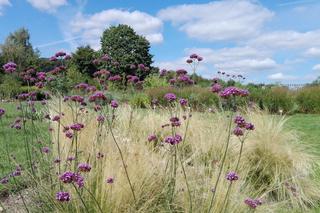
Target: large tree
{"x":83,"y":59}
{"x":17,"y":48}
{"x":127,"y":48}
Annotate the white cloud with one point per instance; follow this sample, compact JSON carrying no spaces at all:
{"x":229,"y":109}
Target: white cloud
{"x":47,"y":5}
{"x":236,"y":60}
{"x":91,"y":27}
{"x":218,"y":20}
{"x":287,"y":40}
{"x":280,"y":76}
{"x":312,"y":52}
{"x":316,"y":67}
{"x":3,"y":3}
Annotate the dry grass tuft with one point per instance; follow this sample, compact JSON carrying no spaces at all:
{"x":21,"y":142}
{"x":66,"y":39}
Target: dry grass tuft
{"x":275,"y":166}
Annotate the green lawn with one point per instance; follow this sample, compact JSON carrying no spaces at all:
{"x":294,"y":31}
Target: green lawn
{"x":15,"y":139}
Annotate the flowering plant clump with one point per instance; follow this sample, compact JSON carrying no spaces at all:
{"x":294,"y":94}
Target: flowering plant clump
{"x":253,"y":203}
{"x":63,"y":196}
{"x":10,"y":67}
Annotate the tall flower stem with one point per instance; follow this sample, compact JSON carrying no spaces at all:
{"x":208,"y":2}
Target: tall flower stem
{"x":82,"y":201}
{"x":226,"y":200}
{"x":123,"y":162}
{"x":94,"y":198}
{"x":222,"y":164}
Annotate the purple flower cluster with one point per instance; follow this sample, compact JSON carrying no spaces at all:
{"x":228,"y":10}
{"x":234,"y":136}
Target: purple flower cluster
{"x":76,"y":126}
{"x":241,"y":126}
{"x":233,"y":91}
{"x":132,"y":79}
{"x":84,"y":167}
{"x":97,"y":96}
{"x":71,"y":177}
{"x":110,"y":180}
{"x":183,"y":102}
{"x":114,"y":104}
{"x":173,"y":140}
{"x":63,"y":196}
{"x":100,"y":119}
{"x":16,"y":124}
{"x":216,"y":88}
{"x":232,"y":176}
{"x":175,"y":122}
{"x":152,"y":137}
{"x":193,"y":58}
{"x":45,"y":150}
{"x":2,"y":112}
{"x":253,"y":203}
{"x":115,"y":78}
{"x":9,"y":67}
{"x":170,"y":97}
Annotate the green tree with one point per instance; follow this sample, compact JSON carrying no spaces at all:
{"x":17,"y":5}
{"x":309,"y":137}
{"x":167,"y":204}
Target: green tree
{"x":17,"y":48}
{"x":83,"y":60}
{"x":126,"y":47}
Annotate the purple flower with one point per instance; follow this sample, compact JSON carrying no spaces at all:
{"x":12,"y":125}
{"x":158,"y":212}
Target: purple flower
{"x":115,"y":78}
{"x":77,"y":126}
{"x":233,"y":91}
{"x":53,"y":58}
{"x":9,"y":67}
{"x":2,"y":112}
{"x":240,"y":121}
{"x":45,"y":150}
{"x":100,"y":118}
{"x":189,"y":61}
{"x":152,"y":137}
{"x":114,"y":104}
{"x":84,"y":167}
{"x":69,"y":134}
{"x":77,"y":98}
{"x":170,"y":97}
{"x":216,"y":88}
{"x":79,"y":180}
{"x":63,"y":196}
{"x":56,"y":118}
{"x":249,"y":126}
{"x":163,"y":72}
{"x":253,"y":203}
{"x":175,"y":122}
{"x":110,"y":180}
{"x":232,"y":176}
{"x":181,"y":72}
{"x":173,"y":139}
{"x":97,"y":96}
{"x":194,"y":56}
{"x":238,"y":131}
{"x":4,"y":180}
{"x":60,"y":54}
{"x":183,"y":102}
{"x":67,"y":177}
{"x":172,"y":81}
{"x":82,"y":86}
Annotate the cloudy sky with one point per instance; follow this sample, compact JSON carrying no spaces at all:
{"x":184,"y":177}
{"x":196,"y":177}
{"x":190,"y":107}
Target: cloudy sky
{"x":265,"y":40}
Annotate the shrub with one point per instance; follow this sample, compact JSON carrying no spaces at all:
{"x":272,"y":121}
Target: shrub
{"x":9,"y":87}
{"x":273,"y":99}
{"x":140,"y":100}
{"x":154,"y":81}
{"x":308,"y":99}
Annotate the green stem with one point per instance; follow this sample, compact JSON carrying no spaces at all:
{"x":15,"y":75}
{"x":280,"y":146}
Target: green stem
{"x":95,"y":200}
{"x":226,"y":200}
{"x":82,"y":201}
{"x":123,"y":162}
{"x":222,"y":164}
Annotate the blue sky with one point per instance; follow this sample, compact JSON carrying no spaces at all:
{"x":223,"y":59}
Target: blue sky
{"x":266,"y":40}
